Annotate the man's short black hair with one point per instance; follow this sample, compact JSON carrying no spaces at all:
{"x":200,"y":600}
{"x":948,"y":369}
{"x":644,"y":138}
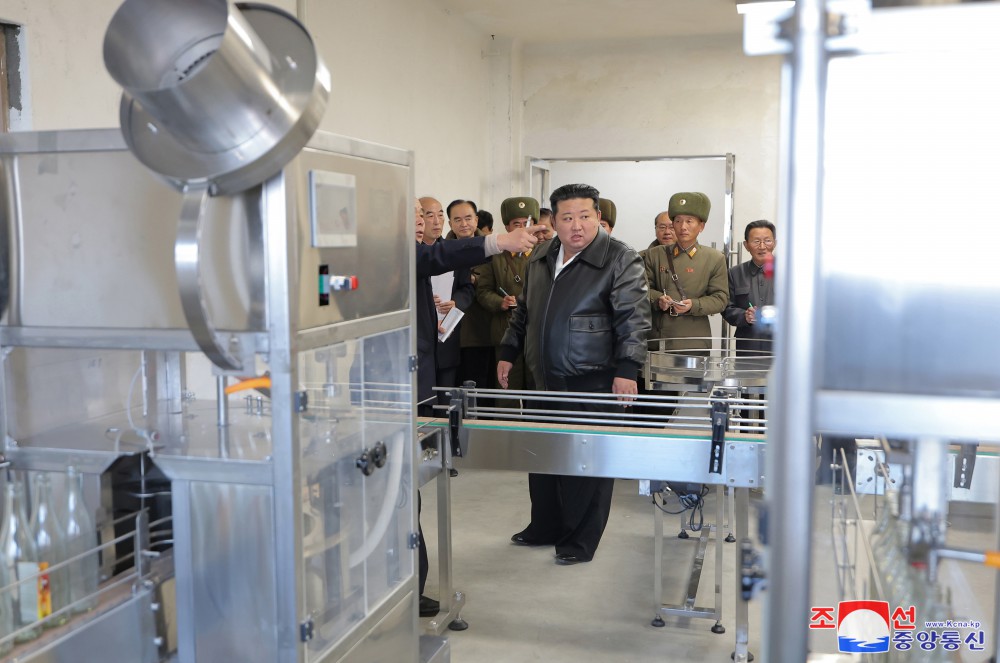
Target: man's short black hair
{"x":545,"y":211}
{"x":761,"y":223}
{"x":485,"y":220}
{"x":461,"y":202}
{"x":571,"y":191}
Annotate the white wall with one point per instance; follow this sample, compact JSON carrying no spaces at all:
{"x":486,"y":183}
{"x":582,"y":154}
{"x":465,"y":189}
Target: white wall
{"x":657,"y":97}
{"x":404,"y":72}
{"x":408,"y":74}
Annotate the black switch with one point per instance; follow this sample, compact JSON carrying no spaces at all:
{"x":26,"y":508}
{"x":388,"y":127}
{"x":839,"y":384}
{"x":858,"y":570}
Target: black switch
{"x":324,"y":285}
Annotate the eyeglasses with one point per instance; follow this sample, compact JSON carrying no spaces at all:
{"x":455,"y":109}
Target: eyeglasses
{"x":757,"y":243}
{"x":662,"y":228}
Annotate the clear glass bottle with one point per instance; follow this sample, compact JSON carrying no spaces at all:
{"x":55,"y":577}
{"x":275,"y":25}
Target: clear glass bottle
{"x":50,"y":541}
{"x":6,"y":611}
{"x":18,"y":555}
{"x":81,"y":539}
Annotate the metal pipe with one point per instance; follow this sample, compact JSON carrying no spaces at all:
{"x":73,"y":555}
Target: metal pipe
{"x":222,"y":401}
{"x":929,"y":503}
{"x":793,"y":383}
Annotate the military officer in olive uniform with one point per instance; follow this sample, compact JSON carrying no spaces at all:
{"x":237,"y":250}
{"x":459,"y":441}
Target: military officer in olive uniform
{"x":609,"y":214}
{"x":687,"y":281}
{"x":500,"y":283}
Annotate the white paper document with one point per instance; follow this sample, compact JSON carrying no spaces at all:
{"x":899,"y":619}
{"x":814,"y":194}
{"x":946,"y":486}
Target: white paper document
{"x":449,"y":323}
{"x":442,"y":285}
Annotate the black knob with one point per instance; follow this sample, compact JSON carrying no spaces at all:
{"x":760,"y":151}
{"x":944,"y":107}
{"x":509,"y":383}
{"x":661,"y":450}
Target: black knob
{"x":379,"y":455}
{"x":364,"y":463}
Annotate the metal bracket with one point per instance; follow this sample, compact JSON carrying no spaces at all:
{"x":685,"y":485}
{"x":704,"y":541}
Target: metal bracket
{"x":301,"y":401}
{"x":413,"y":541}
{"x":720,"y":422}
{"x":187,"y":263}
{"x":307,"y":630}
{"x":456,"y":413}
{"x":965,"y":464}
{"x":413,"y":363}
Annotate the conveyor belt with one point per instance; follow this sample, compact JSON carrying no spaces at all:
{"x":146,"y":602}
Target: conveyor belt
{"x":670,"y":439}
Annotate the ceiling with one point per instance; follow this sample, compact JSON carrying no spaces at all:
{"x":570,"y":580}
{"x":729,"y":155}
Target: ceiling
{"x":574,"y":20}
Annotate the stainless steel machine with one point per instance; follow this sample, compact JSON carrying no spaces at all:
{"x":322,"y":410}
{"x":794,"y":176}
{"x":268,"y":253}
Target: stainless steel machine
{"x":871,"y":168}
{"x":281,"y":255}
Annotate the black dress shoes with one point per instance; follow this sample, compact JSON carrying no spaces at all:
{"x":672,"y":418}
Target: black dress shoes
{"x":522,"y":540}
{"x":567,"y":558}
{"x":429,"y":607}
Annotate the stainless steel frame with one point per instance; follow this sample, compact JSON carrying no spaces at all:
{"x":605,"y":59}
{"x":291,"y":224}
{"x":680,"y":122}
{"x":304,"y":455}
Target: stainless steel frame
{"x":582,"y":443}
{"x":945,"y":389}
{"x":437,"y":464}
{"x":239,"y":477}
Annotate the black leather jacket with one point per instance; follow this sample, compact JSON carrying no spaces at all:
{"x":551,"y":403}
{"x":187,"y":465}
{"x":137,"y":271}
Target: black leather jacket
{"x":593,"y":318}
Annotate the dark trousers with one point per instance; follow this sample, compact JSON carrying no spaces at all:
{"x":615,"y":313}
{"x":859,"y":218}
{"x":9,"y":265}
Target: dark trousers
{"x":423,"y":565}
{"x":445,"y":377}
{"x":569,"y":511}
{"x":478,"y":366}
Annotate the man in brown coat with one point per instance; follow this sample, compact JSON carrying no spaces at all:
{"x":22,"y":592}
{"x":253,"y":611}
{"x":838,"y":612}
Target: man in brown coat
{"x":687,"y":281}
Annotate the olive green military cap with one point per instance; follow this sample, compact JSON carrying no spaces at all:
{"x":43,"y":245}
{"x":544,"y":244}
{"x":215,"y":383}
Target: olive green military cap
{"x":691,"y":203}
{"x":519,"y":208}
{"x":608,"y":211}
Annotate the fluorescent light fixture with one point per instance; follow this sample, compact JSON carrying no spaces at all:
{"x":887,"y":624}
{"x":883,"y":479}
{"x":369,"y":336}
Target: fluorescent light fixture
{"x":745,"y":7}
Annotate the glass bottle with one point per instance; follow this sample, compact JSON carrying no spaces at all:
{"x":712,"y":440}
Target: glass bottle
{"x":18,"y":555}
{"x":50,"y":541}
{"x":6,"y":610}
{"x":81,"y":540}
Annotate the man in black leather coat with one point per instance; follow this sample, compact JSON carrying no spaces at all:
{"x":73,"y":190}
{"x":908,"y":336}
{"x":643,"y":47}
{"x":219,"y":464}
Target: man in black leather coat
{"x":582,"y":322}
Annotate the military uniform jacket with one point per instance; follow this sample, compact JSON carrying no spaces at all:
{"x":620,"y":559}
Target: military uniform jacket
{"x":705,"y":280}
{"x":504,"y":271}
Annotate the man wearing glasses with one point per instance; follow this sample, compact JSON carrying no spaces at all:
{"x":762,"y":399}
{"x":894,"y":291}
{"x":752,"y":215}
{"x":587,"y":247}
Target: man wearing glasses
{"x":749,"y":288}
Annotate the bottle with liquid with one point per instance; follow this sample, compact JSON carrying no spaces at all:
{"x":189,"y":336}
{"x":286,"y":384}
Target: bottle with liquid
{"x":20,"y":559}
{"x":50,"y":541}
{"x":81,"y":540}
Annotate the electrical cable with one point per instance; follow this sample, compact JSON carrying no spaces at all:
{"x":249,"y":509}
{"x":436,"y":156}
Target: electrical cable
{"x":693,"y":502}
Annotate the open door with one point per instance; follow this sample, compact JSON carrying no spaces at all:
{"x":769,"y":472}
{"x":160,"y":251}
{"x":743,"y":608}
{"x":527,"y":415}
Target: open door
{"x":539,"y":177}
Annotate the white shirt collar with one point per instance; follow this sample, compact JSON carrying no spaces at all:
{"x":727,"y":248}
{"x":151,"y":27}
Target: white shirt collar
{"x":560,"y":265}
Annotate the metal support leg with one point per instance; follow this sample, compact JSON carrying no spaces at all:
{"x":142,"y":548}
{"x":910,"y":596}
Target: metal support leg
{"x":720,"y":510}
{"x":742,"y":652}
{"x":731,"y":515}
{"x":792,"y":386}
{"x":451,"y":600}
{"x":657,"y":564}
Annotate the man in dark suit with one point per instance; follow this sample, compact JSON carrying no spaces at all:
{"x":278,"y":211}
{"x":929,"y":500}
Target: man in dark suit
{"x":434,"y":259}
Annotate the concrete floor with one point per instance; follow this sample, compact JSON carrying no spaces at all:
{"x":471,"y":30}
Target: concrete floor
{"x":522,"y":606}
